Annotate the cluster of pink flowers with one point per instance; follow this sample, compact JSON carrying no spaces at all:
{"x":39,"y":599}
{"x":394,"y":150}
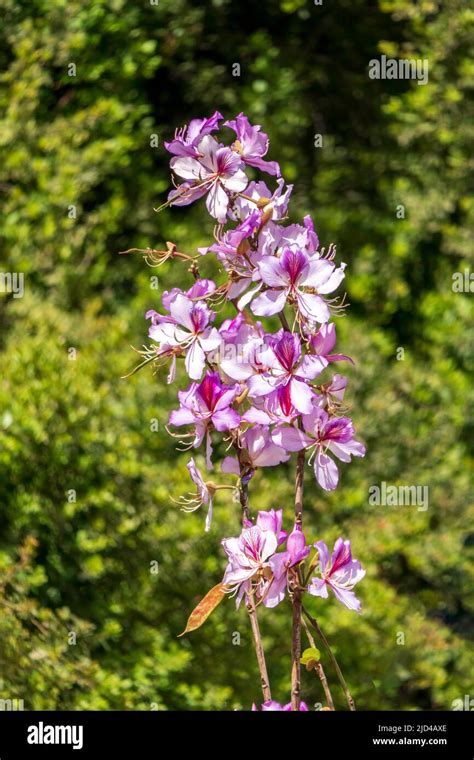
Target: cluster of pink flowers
{"x":272,"y":706}
{"x":256,"y":567}
{"x":269,"y":266}
{"x":259,"y":389}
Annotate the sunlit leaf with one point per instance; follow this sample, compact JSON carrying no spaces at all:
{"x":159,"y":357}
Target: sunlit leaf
{"x":207,"y":605}
{"x":310,"y":657}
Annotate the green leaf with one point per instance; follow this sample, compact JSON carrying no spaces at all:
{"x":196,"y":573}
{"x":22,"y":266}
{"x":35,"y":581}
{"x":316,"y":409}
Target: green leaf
{"x":310,"y":657}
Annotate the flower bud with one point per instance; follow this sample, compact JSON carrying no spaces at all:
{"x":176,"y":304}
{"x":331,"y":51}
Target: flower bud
{"x":296,"y":543}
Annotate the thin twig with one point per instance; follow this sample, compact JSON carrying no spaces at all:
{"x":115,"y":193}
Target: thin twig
{"x":296,"y":600}
{"x":314,"y":623}
{"x":296,"y":652}
{"x":243,"y":487}
{"x":319,"y":668}
{"x":284,"y":322}
{"x":300,"y":462}
{"x":262,"y":666}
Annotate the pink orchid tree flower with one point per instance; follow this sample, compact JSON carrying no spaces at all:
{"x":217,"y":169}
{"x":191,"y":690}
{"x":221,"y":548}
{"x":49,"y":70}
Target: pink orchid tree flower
{"x":320,"y":434}
{"x":287,"y":367}
{"x":340,"y":574}
{"x":253,"y":387}
{"x":275,"y":408}
{"x":259,"y":451}
{"x":187,"y":327}
{"x":289,"y":277}
{"x":252,"y":144}
{"x":241,"y":347}
{"x":321,"y":344}
{"x":258,"y":195}
{"x":272,"y":520}
{"x":248,"y":557}
{"x":201,"y":289}
{"x":248,"y":569}
{"x":204,"y":495}
{"x":217,"y":171}
{"x":207,"y":406}
{"x":298,"y":236}
{"x":243,"y":360}
{"x":282,"y":562}
{"x":234,"y":252}
{"x":187,"y":138}
{"x":272,"y":706}
{"x":331,"y":394}
{"x":231,"y":245}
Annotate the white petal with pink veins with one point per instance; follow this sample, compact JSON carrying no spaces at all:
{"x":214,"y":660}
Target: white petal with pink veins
{"x":291,"y":439}
{"x":269,"y":303}
{"x":344,"y":451}
{"x":326,"y":472}
{"x":270,"y":456}
{"x":259,"y":386}
{"x":313,"y":307}
{"x":301,"y":396}
{"x":247,"y":297}
{"x":317,"y":273}
{"x":318,"y":587}
{"x":186,"y":167}
{"x":237,"y":182}
{"x":272,"y":272}
{"x":180,"y":309}
{"x":334,"y":281}
{"x":208,"y":148}
{"x":217,"y":201}
{"x":236,"y":369}
{"x":237,"y":287}
{"x":185,"y":194}
{"x":211,"y":341}
{"x":195,"y":361}
{"x":312,"y":366}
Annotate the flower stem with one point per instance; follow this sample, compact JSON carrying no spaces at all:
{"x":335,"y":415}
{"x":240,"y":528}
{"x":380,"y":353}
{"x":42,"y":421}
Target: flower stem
{"x":319,"y":668}
{"x":250,"y":602}
{"x":284,"y":321}
{"x":296,"y":601}
{"x":296,"y":652}
{"x":262,"y":666}
{"x":314,"y":623}
{"x":243,"y":487}
{"x":300,"y":462}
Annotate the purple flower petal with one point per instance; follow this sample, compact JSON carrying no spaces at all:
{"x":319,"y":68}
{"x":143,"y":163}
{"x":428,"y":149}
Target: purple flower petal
{"x":291,"y":438}
{"x":227,"y":419}
{"x":268,"y":303}
{"x":326,"y":472}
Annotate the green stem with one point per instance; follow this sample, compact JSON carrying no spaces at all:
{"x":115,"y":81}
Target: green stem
{"x":319,"y":669}
{"x":323,"y":638}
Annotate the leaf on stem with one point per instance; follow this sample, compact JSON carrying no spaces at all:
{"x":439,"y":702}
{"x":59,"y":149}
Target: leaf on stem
{"x":310,"y":657}
{"x":207,"y":605}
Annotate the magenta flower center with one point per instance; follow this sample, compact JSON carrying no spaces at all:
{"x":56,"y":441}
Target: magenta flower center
{"x":343,"y":557}
{"x":286,"y":351}
{"x":199,"y":317}
{"x":226,"y":162}
{"x":293,"y":262}
{"x":210,"y":392}
{"x":338,"y":430}
{"x":284,"y":399}
{"x":252,"y":546}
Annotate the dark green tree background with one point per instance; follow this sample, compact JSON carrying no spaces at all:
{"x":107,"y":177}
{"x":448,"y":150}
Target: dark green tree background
{"x":88,"y":619}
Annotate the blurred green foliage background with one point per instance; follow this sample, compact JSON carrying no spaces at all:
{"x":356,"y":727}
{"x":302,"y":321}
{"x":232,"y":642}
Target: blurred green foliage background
{"x":85,"y":567}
